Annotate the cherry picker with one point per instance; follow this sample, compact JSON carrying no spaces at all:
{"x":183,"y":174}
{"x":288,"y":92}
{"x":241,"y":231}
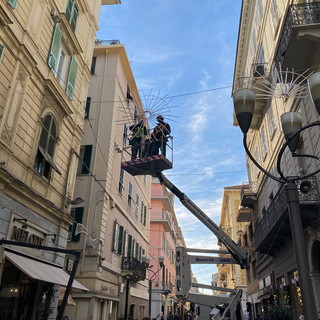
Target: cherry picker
{"x":226,"y":306}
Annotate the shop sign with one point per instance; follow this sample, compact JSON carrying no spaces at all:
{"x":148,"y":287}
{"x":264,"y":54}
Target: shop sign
{"x":23,"y":235}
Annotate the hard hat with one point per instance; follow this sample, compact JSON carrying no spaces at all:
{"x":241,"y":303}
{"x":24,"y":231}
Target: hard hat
{"x":160,"y":117}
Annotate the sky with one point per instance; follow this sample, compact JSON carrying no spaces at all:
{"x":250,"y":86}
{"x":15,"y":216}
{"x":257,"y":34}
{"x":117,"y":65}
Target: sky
{"x":184,"y":51}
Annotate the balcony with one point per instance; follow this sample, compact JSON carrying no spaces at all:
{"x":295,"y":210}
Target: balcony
{"x":300,"y":34}
{"x":273,"y":230}
{"x":133,"y":268}
{"x":244,"y":214}
{"x":248,"y":195}
{"x":161,"y":217}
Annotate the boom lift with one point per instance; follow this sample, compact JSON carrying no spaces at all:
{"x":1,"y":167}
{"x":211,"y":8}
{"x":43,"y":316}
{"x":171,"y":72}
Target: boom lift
{"x":228,"y":304}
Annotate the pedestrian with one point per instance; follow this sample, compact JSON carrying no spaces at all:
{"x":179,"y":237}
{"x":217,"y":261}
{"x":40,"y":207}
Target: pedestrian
{"x":159,"y":136}
{"x":139,"y":131}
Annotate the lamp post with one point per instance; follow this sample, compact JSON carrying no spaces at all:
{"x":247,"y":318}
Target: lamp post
{"x":154,"y":273}
{"x":291,"y":122}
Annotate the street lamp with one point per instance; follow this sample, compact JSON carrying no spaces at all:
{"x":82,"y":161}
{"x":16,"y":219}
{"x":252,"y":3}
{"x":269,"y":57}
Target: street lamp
{"x":154,"y":273}
{"x":291,"y":122}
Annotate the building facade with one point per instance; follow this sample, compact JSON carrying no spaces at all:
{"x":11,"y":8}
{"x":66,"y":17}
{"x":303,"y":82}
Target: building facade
{"x":112,"y":224}
{"x":45,"y":57}
{"x":276,"y":53}
{"x":231,"y":275}
{"x":164,"y":236}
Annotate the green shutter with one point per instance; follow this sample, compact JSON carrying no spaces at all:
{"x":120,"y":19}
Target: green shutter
{"x":55,"y":46}
{"x":78,"y":216}
{"x":120,"y":242}
{"x":72,"y":14}
{"x":130,"y":246}
{"x":72,"y":77}
{"x":69,"y":9}
{"x":13,"y":3}
{"x":86,"y":160}
{"x":74,"y":18}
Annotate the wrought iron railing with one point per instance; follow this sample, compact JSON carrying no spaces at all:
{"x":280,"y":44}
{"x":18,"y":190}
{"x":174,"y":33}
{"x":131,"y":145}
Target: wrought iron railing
{"x":298,"y":15}
{"x":133,"y":268}
{"x":277,"y":210}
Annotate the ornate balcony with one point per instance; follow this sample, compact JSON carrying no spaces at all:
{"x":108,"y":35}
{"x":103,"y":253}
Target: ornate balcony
{"x":300,"y":32}
{"x":273,"y":230}
{"x":133,"y":268}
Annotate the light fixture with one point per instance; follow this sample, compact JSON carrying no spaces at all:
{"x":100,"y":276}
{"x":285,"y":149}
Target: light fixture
{"x":291,"y":122}
{"x":54,"y":236}
{"x":54,"y":15}
{"x":24,"y":225}
{"x":243,"y":100}
{"x":74,"y":202}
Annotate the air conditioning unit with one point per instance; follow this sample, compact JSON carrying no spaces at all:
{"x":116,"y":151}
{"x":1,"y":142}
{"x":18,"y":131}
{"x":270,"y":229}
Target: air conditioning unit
{"x":259,"y":70}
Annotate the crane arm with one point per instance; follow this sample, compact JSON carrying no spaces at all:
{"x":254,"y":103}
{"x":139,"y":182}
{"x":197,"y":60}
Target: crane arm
{"x":238,"y":253}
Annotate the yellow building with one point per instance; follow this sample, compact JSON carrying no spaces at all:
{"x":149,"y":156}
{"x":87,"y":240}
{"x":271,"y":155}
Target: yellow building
{"x":277,"y":51}
{"x":231,"y":275}
{"x":45,"y":58}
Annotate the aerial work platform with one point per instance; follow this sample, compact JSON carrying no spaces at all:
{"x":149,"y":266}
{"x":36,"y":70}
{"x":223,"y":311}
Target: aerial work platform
{"x":147,"y":165}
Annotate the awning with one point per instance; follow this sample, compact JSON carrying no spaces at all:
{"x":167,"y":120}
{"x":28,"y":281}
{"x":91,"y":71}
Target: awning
{"x":42,"y":271}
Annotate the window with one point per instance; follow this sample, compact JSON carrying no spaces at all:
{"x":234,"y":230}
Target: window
{"x":117,"y":238}
{"x":13,"y":3}
{"x":43,"y":162}
{"x":137,"y":205}
{"x":130,"y":194}
{"x":125,"y":134}
{"x":93,"y":65}
{"x":85,"y":159}
{"x":1,"y":51}
{"x":121,"y":180}
{"x":72,"y":14}
{"x":272,"y":124}
{"x":63,"y":65}
{"x":143,"y":214}
{"x":128,"y":245}
{"x":264,"y":147}
{"x":77,"y":215}
{"x":87,"y":111}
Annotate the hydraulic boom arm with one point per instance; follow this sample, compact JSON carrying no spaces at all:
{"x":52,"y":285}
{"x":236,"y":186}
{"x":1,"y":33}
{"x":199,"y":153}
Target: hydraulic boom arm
{"x":238,"y":253}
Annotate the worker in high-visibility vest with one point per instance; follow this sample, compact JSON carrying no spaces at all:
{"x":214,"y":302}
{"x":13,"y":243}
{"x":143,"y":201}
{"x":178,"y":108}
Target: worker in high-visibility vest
{"x":139,"y":131}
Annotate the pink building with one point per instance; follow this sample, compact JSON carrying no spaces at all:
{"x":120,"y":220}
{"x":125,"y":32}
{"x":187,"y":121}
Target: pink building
{"x":164,"y":230}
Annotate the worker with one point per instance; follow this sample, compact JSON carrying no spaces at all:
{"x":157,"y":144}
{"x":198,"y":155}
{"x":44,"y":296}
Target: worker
{"x":139,"y":131}
{"x":159,"y":136}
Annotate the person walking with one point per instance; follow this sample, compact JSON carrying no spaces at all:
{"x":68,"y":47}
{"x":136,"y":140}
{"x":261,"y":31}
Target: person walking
{"x":159,"y":136}
{"x":139,"y":131}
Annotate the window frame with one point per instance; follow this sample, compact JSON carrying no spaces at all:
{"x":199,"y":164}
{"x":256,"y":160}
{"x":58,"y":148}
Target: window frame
{"x":72,"y":13}
{"x":121,"y":176}
{"x":43,"y":163}
{"x":130,"y":187}
{"x":85,"y":159}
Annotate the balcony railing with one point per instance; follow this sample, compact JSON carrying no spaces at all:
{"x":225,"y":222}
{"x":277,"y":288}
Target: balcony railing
{"x":133,"y":268}
{"x":303,"y":14}
{"x":274,"y":226}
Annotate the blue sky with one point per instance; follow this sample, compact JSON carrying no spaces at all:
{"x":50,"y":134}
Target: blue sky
{"x":178,"y":48}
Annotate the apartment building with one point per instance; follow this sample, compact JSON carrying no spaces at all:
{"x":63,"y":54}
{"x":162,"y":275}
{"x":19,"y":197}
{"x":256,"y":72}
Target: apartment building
{"x":277,"y":51}
{"x":231,"y":275}
{"x":45,"y":57}
{"x":112,"y":224}
{"x":164,"y":237}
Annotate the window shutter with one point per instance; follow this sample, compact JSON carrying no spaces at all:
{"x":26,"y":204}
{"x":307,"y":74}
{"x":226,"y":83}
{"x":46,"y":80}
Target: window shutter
{"x":72,"y":78}
{"x":120,"y":242}
{"x":114,"y":235}
{"x":55,"y":46}
{"x":78,"y":216}
{"x":69,"y":9}
{"x":13,"y":3}
{"x":74,"y":18}
{"x":130,"y":246}
{"x":86,"y":159}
